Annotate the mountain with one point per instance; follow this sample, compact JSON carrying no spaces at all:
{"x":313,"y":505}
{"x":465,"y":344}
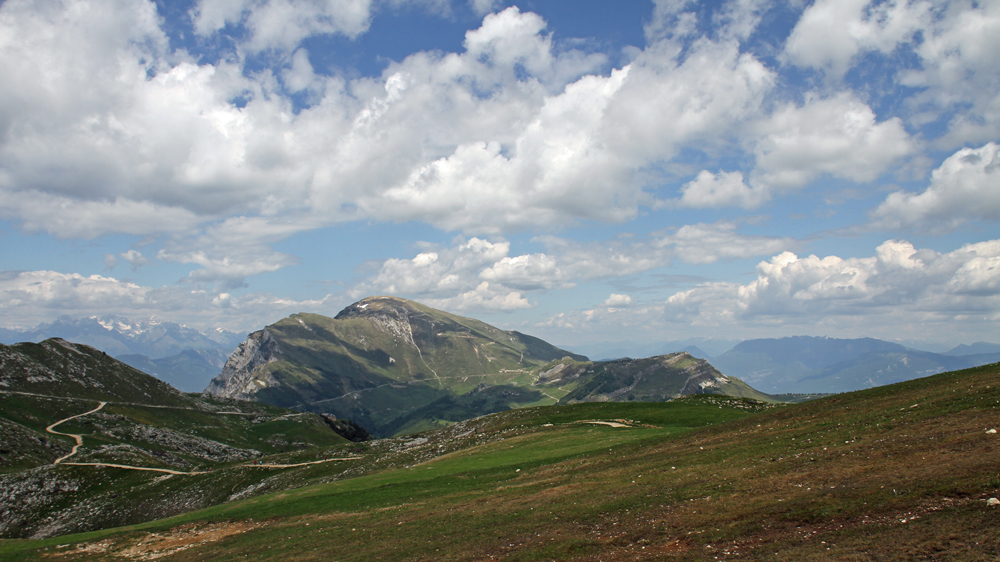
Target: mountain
{"x":88,"y":442}
{"x":654,"y":379}
{"x":377,"y":360}
{"x":394,"y":365}
{"x":978,"y":348}
{"x":813,"y":364}
{"x":121,"y":336}
{"x":189,"y":371}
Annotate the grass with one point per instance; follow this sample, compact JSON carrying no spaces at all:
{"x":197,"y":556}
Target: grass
{"x":892,"y":473}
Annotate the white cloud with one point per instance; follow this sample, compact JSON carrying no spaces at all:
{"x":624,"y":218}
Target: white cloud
{"x":120,"y":135}
{"x":618,"y":300}
{"x":300,"y":75}
{"x":483,"y":7}
{"x":28,"y":298}
{"x":838,"y":136}
{"x":479,"y":272}
{"x":483,"y":298}
{"x":966,"y":186}
{"x":831,"y":33}
{"x":725,"y":189}
{"x":709,"y":243}
{"x":526,"y":272}
{"x":900,"y":285}
{"x":954,"y":42}
{"x":283,"y":24}
{"x":135,"y":259}
{"x":435,"y":273}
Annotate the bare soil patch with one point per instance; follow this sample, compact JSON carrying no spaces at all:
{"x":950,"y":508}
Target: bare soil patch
{"x":152,"y":546}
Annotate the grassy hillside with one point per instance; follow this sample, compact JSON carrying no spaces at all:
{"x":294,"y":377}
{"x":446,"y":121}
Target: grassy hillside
{"x":61,"y":368}
{"x":55,"y":392}
{"x":894,"y":473}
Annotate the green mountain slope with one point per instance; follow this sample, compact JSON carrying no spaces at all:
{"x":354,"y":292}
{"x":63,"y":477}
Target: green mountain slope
{"x":901,"y":472}
{"x":653,"y":379}
{"x":378,"y":360}
{"x":179,"y":447}
{"x":394,"y":366}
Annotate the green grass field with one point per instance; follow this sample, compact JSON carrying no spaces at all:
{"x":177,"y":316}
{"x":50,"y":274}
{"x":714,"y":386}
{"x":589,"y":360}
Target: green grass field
{"x":893,"y":473}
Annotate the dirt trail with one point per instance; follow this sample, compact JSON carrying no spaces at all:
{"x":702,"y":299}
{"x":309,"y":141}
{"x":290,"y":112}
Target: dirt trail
{"x":78,"y":438}
{"x":166,"y":470}
{"x":251,"y":465}
{"x":79,"y":443}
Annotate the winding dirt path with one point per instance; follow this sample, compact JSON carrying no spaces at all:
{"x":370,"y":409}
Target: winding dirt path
{"x":251,"y":465}
{"x":79,"y":443}
{"x":78,"y":438}
{"x":129,"y":467}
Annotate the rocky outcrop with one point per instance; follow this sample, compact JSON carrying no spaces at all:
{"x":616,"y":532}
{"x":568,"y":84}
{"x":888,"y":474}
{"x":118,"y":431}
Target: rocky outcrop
{"x":238,"y":379}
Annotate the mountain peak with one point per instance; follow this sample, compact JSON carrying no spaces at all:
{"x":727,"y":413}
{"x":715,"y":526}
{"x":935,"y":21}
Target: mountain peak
{"x":371,"y":305}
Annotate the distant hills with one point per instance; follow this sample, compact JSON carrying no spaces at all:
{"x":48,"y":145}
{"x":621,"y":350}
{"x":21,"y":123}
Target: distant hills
{"x":805,"y":364}
{"x":394,"y":366}
{"x":118,"y":336}
{"x":190,"y":370}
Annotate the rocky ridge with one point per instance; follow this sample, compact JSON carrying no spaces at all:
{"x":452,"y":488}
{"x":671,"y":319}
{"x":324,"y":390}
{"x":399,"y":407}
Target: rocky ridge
{"x":237,"y":380}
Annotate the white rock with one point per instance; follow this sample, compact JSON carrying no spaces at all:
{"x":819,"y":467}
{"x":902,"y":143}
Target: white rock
{"x":992,"y":502}
{"x":991,"y":431}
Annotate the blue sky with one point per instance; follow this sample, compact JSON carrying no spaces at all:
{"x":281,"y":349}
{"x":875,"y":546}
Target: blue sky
{"x":583,"y":171}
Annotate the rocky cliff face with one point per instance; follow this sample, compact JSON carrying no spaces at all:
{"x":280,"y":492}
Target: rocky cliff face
{"x":237,"y":379}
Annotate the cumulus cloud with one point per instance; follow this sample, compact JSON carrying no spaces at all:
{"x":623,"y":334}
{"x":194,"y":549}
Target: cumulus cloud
{"x":484,"y":298}
{"x":954,"y":43}
{"x":618,"y":300}
{"x":831,"y":33}
{"x":283,"y":24}
{"x":483,"y":7}
{"x":28,"y":298}
{"x":725,"y":189}
{"x":511,"y":133}
{"x":472,"y":275}
{"x":135,"y":259}
{"x":839,"y":136}
{"x":478,"y":272}
{"x":966,"y":186}
{"x":900,"y":284}
{"x":709,"y":243}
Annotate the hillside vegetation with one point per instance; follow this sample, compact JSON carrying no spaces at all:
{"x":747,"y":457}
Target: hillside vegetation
{"x":51,"y":484}
{"x":894,"y":473}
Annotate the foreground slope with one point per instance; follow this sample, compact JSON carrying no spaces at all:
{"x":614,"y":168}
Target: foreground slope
{"x":894,"y":473}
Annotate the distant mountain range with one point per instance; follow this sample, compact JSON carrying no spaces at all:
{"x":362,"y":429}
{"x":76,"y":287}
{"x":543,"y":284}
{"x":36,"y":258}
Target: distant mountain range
{"x":703,"y":348}
{"x":396,"y":366}
{"x":180,"y":355}
{"x":805,"y":364}
{"x":189,"y":371}
{"x":119,"y":336}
